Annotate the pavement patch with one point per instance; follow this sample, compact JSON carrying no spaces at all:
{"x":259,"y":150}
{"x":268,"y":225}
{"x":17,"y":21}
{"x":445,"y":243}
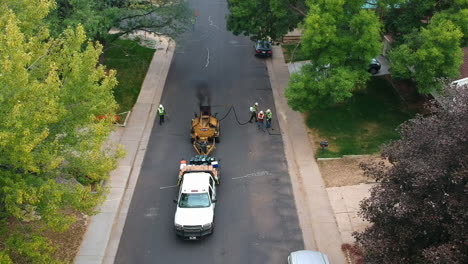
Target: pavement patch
{"x":167,"y":187}
{"x":255,"y":174}
{"x":152,"y":212}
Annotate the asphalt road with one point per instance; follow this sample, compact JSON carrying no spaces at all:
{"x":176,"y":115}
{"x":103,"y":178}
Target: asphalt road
{"x":255,"y":219}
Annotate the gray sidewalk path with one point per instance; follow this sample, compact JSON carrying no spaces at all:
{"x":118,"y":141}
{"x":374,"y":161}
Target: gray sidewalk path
{"x":101,"y":240}
{"x":345,"y":202}
{"x":316,"y":216}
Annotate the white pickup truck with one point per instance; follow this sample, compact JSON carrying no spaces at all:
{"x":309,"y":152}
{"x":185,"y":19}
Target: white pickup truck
{"x":197,"y":197}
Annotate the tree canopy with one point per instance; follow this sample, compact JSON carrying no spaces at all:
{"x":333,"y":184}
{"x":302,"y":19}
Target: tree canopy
{"x":429,"y":56}
{"x":262,"y":19}
{"x":98,"y":17}
{"x":340,"y":40}
{"x":419,"y":207}
{"x":429,"y":36}
{"x":51,"y":92}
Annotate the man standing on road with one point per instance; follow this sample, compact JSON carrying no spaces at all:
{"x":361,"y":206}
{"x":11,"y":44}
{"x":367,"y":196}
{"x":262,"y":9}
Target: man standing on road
{"x":193,"y":20}
{"x":253,"y":112}
{"x":269,"y":116}
{"x":161,"y":112}
{"x":260,"y":117}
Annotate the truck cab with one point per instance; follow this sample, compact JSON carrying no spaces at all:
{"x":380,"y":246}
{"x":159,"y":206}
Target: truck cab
{"x":195,"y":205}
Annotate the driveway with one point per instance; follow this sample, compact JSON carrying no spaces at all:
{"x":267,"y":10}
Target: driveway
{"x":384,"y":70}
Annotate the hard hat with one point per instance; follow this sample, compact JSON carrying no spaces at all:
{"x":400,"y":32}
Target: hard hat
{"x":268,"y":111}
{"x":261,"y":112}
{"x":256,"y":103}
{"x":160,"y":106}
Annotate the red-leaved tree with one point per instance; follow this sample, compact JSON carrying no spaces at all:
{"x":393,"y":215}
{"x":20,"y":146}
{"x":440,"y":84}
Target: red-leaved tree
{"x":419,"y":206}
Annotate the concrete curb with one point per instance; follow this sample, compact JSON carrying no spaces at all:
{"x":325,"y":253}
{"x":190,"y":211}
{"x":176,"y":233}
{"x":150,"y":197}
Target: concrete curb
{"x":101,"y":240}
{"x":346,"y":157}
{"x":320,"y":159}
{"x":316,"y":216}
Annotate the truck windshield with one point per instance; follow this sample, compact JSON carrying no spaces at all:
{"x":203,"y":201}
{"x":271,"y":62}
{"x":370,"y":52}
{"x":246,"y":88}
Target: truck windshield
{"x":194,"y":200}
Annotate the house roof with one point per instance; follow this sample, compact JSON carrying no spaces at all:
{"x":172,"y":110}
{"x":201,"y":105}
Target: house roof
{"x":464,"y":66}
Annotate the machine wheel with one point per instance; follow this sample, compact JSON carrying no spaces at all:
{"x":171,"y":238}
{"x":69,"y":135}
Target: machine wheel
{"x":217,"y":139}
{"x":192,"y":140}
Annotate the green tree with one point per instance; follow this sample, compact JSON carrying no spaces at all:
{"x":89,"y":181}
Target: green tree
{"x":401,"y":17}
{"x":340,"y":39}
{"x":277,"y":17}
{"x":51,"y":92}
{"x":31,"y":249}
{"x":316,"y":87}
{"x":98,"y":17}
{"x":458,"y":16}
{"x":429,"y":35}
{"x":404,"y":16}
{"x":429,"y":56}
{"x":4,"y":258}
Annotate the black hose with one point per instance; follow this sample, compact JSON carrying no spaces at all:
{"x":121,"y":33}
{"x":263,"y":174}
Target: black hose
{"x":241,"y":124}
{"x":229,"y":111}
{"x":237,"y":119}
{"x":235,"y":114}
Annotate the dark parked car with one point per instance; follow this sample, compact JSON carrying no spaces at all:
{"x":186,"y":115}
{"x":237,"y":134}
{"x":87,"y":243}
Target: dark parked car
{"x":263,"y":48}
{"x":374,"y":66}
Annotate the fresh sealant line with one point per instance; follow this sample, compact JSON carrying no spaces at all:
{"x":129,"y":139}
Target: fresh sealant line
{"x":167,"y":187}
{"x":207,"y":57}
{"x":255,"y":174}
{"x":211,"y":23}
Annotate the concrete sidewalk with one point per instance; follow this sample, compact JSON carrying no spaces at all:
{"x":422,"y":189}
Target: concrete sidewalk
{"x":102,"y":237}
{"x":345,"y":202}
{"x":316,"y":216}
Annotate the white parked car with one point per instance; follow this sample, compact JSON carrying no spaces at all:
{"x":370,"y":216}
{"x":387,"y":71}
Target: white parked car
{"x":307,"y":257}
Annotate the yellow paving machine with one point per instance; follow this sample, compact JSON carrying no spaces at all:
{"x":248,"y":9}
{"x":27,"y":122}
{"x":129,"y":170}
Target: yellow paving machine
{"x":204,"y":132}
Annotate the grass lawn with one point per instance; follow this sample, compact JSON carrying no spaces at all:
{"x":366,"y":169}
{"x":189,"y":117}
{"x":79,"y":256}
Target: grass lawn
{"x":292,"y":53}
{"x":131,"y":62}
{"x":360,"y":125}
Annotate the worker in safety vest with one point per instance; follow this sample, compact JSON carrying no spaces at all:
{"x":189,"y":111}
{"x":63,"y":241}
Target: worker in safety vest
{"x":253,"y":112}
{"x":161,"y":112}
{"x":269,"y":116}
{"x":260,"y":118}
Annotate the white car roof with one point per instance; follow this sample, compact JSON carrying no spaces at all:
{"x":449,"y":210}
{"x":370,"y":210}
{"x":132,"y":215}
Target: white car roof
{"x":308,"y":257}
{"x":196,"y":181}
